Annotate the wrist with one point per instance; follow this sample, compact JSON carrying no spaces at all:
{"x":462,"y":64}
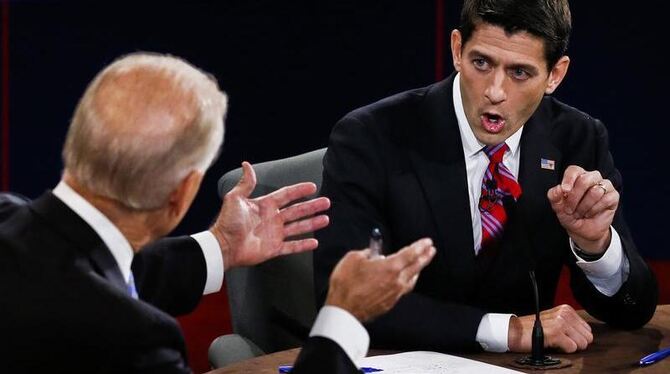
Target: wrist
{"x":339,"y":299}
{"x":592,"y":248}
{"x":514,"y":334}
{"x":224,"y":246}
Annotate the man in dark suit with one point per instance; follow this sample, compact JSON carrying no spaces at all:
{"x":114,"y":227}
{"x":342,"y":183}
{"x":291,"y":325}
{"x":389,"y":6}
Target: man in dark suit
{"x":85,"y":285}
{"x":504,"y":178}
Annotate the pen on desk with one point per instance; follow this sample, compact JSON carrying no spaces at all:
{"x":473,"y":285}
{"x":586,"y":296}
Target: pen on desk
{"x":375,"y":243}
{"x":655,"y":357}
{"x":283,"y":369}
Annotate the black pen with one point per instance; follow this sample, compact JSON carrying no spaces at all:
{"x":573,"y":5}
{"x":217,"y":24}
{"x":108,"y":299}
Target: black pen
{"x":376,"y":243}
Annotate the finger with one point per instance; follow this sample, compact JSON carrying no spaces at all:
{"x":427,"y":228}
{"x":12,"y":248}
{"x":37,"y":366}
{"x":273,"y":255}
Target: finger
{"x":581,"y":185}
{"x":570,"y":176}
{"x":306,"y":225}
{"x":569,"y":314}
{"x":555,"y":196}
{"x":287,"y":194}
{"x":591,"y":197}
{"x":298,"y":246}
{"x":579,"y":339}
{"x":247,"y":182}
{"x":565,"y":343}
{"x":410,"y":254}
{"x":304,"y":209}
{"x":610,"y":201}
{"x":580,"y":335}
{"x":411,"y":272}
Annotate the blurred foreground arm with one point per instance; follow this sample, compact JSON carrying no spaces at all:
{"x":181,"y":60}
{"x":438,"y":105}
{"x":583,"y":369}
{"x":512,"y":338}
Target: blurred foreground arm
{"x":361,"y":288}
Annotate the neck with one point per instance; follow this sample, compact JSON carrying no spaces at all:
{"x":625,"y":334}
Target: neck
{"x":135,"y":225}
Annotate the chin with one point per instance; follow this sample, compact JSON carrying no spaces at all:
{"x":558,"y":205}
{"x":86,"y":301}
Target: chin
{"x":491,"y":139}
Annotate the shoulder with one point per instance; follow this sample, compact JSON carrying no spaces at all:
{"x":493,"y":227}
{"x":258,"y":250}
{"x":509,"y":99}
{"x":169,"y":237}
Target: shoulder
{"x":565,"y":118}
{"x":403,"y":104}
{"x":391,"y":119}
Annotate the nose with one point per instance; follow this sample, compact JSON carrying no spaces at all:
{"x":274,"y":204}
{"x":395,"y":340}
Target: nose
{"x":495,"y":92}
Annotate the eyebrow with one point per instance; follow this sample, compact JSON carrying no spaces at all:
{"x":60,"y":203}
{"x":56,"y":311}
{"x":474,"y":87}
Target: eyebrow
{"x":532,"y":69}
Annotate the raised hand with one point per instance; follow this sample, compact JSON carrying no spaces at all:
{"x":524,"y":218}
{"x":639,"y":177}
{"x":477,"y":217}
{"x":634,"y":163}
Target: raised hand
{"x":368,"y":287}
{"x":563,"y":328}
{"x":251,"y":231}
{"x":585,"y":204}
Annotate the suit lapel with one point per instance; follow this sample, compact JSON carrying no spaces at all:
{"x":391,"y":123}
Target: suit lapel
{"x":526,"y":228}
{"x":534,"y":179}
{"x":95,"y":254}
{"x":437,"y":158}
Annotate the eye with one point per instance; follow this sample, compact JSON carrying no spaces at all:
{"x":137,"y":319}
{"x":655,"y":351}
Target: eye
{"x":519,"y":74}
{"x":480,"y":63}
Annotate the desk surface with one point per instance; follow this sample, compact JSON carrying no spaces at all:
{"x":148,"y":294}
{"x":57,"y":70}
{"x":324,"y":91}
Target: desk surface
{"x":612,"y":351}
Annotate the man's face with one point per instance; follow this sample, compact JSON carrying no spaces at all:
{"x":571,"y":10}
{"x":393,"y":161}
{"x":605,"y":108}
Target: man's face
{"x":503,"y":79}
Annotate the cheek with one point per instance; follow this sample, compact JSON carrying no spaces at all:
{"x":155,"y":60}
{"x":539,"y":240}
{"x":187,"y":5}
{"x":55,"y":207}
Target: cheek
{"x":526,"y":102}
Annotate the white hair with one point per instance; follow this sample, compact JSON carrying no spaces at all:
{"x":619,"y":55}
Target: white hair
{"x":144,"y":123}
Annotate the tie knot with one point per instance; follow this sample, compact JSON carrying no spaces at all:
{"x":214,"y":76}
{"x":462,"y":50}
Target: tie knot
{"x":496,"y":152}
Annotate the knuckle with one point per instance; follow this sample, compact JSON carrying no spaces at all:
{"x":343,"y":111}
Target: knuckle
{"x":565,"y":308}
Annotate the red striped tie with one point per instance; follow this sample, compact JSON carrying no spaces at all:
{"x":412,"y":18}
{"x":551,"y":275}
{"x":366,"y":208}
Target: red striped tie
{"x":498,"y":183}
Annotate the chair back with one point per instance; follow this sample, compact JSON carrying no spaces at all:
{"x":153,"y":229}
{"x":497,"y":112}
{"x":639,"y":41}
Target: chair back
{"x":272,"y":303}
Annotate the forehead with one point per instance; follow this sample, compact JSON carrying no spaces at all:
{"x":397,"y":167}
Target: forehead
{"x":519,"y":48}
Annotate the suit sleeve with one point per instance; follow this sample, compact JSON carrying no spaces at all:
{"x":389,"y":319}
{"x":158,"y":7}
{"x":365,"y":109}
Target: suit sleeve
{"x":170,"y":274}
{"x":322,"y":355}
{"x":635,"y":302}
{"x":355,"y":179}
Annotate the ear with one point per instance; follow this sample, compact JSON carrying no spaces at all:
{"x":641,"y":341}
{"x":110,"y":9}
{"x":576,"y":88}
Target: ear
{"x":456,"y":48}
{"x":182,"y":196}
{"x":557,"y":74}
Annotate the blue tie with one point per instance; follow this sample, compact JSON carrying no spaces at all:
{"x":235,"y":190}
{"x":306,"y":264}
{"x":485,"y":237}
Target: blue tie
{"x":132,"y":291}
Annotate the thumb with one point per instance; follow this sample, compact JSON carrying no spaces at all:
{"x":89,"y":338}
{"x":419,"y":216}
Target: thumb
{"x":247,"y":182}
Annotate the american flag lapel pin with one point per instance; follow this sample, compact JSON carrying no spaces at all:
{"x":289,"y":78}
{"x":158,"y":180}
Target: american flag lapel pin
{"x":547,"y":164}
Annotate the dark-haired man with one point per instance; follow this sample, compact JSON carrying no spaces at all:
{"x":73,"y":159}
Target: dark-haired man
{"x":504,"y":178}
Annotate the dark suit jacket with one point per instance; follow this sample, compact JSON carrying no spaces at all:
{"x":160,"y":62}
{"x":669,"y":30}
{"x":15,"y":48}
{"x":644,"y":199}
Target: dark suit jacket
{"x":398,"y":165}
{"x":65,"y":308}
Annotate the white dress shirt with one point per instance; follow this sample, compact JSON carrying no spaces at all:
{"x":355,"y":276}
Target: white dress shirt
{"x":607,"y":273}
{"x":332,"y":322}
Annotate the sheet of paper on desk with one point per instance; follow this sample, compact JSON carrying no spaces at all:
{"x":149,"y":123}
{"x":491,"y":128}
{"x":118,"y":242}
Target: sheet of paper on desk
{"x":420,"y":362}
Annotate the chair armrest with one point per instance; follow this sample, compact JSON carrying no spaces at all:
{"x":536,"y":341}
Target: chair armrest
{"x":231,"y":348}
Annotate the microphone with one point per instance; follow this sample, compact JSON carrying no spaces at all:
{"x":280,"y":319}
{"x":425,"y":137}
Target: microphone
{"x":537,"y":358}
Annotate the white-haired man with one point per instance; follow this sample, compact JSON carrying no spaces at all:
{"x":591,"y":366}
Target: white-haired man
{"x":85,"y":285}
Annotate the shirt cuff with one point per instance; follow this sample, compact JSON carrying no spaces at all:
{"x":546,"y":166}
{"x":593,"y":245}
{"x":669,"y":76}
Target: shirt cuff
{"x":340,"y":326}
{"x":213,"y":260}
{"x":492,"y":332}
{"x":608,"y":272}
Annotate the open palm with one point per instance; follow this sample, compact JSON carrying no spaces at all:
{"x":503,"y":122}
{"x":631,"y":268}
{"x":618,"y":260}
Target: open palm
{"x":251,"y":231}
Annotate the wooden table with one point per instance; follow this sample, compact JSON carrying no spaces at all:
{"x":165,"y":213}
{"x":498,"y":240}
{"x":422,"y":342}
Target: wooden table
{"x":612,"y":351}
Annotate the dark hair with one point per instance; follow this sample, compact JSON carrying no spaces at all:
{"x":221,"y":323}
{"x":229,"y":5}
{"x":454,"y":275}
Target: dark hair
{"x":547,"y":19}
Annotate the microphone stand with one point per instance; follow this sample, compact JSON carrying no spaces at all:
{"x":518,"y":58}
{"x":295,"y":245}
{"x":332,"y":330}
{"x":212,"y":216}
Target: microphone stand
{"x":537,"y":358}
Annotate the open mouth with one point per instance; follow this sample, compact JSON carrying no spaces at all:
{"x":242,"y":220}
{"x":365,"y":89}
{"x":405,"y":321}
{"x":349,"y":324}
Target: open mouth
{"x":492,"y":123}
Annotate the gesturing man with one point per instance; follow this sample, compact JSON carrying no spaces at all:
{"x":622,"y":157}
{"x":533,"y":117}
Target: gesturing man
{"x":504,"y":178}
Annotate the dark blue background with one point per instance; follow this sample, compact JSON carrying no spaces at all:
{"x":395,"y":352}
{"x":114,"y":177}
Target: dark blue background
{"x":293,"y":68}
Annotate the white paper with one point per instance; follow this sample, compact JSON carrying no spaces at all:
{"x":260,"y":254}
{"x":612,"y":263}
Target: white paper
{"x":421,"y":362}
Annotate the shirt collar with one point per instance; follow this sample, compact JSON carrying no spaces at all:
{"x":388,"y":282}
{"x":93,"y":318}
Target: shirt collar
{"x":113,"y":238}
{"x":471,"y":146}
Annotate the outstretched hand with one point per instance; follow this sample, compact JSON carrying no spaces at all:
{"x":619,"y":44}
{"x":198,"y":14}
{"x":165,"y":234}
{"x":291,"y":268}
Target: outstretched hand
{"x":368,"y":286}
{"x":251,"y":231}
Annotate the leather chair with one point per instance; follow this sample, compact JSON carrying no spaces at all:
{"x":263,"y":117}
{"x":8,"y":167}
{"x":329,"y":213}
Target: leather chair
{"x":272,"y":304}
